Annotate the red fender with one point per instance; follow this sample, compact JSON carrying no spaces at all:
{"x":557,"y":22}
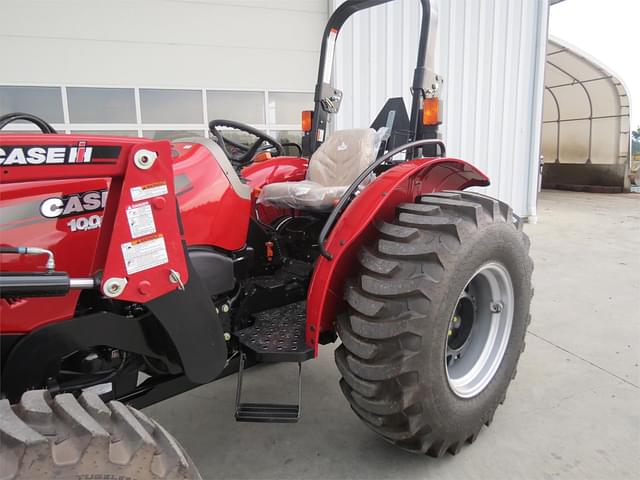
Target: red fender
{"x":376,"y":202}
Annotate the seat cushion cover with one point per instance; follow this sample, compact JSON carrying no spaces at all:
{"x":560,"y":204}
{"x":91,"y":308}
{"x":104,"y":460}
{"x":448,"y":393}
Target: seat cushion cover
{"x":304,"y":195}
{"x":345,"y":154}
{"x":333,"y":167}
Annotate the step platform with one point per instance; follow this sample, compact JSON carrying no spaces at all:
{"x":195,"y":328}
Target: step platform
{"x":278,"y":334}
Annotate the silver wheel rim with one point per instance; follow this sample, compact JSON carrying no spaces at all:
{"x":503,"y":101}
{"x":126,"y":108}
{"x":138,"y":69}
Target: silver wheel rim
{"x":479,"y":330}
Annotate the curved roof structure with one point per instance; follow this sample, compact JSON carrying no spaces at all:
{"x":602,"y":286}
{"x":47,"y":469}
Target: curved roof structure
{"x":586,"y":116}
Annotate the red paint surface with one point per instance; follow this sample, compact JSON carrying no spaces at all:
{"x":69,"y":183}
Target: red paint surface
{"x":208,"y":205}
{"x":155,"y":281}
{"x":21,"y":224}
{"x":22,"y":190}
{"x":280,"y":169}
{"x":212,"y":213}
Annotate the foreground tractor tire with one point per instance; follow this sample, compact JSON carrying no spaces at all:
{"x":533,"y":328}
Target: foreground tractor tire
{"x":436,"y":321}
{"x":82,"y":439}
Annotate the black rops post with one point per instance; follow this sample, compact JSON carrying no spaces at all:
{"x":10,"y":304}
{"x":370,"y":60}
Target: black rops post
{"x":327,"y":98}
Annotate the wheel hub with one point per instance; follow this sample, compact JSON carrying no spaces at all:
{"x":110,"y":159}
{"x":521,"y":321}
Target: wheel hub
{"x":461,"y":324}
{"x":479,"y":330}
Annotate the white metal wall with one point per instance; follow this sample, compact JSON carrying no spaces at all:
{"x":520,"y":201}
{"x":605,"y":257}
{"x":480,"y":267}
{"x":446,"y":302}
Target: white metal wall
{"x":491,"y":55}
{"x":241,"y":44}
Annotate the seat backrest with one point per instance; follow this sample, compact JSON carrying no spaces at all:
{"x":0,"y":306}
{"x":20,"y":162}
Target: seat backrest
{"x":342,"y":157}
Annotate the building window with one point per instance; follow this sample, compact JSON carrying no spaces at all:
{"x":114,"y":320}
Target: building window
{"x":171,"y":106}
{"x":113,"y":133}
{"x":246,"y":107}
{"x":156,"y":113}
{"x":101,"y":105}
{"x":45,"y":102}
{"x":171,"y":134}
{"x":285,"y":107}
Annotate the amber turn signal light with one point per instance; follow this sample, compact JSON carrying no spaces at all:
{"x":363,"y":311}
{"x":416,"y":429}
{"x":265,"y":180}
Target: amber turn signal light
{"x":431,"y":111}
{"x":262,"y":156}
{"x":307,"y":120}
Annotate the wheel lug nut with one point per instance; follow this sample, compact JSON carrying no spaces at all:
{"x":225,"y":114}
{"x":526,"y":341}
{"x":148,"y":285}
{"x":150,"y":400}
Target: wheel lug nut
{"x":496,"y":307}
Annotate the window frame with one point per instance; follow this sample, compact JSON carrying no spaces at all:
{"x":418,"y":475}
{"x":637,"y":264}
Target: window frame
{"x":126,"y":90}
{"x":47,"y":86}
{"x":66,"y":127}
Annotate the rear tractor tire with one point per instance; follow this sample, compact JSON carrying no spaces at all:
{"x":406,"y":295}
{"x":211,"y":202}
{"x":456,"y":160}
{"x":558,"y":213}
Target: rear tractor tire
{"x":435,"y":321}
{"x":84,"y":438}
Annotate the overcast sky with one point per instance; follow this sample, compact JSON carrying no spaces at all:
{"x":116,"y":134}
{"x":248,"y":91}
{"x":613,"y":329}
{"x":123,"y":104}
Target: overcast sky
{"x":608,"y":30}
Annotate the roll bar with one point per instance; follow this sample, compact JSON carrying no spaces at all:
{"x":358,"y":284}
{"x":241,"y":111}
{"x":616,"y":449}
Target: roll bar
{"x":326,"y":96}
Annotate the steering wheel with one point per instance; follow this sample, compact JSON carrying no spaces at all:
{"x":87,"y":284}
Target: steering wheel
{"x":243,"y":153}
{"x":14,"y":117}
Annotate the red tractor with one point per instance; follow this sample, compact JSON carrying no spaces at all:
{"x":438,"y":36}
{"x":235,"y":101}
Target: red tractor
{"x":134,"y":270}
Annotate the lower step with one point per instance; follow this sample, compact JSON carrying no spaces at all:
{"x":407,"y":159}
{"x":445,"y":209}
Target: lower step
{"x":267,"y":412}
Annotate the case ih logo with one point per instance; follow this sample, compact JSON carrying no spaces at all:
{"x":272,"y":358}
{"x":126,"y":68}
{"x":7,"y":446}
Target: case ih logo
{"x":57,"y":207}
{"x":20,"y":155}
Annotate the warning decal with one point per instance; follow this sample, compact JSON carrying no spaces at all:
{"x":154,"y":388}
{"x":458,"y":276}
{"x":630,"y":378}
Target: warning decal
{"x":140,"y":219}
{"x":149,"y":191}
{"x":143,"y":254}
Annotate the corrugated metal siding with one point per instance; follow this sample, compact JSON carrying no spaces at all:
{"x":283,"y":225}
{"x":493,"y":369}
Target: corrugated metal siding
{"x":491,"y":55}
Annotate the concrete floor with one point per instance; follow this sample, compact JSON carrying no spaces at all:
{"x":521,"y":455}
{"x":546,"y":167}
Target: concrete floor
{"x":573,"y":411}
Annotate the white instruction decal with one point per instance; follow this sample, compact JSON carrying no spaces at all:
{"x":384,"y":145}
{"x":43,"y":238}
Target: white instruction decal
{"x":144,"y":254}
{"x":148,"y":191}
{"x":140,"y":218}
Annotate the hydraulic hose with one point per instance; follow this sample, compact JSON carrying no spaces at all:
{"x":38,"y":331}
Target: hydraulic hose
{"x":14,"y":117}
{"x":51,"y":263}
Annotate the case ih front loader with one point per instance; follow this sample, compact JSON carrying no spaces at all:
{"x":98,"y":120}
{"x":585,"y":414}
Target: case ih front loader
{"x":134,"y":270}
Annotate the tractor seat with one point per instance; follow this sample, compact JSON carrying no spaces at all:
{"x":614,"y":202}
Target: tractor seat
{"x":332,"y":168}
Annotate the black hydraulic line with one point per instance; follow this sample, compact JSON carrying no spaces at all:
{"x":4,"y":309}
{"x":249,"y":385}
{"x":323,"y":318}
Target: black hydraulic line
{"x":14,"y":117}
{"x":346,"y":197}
